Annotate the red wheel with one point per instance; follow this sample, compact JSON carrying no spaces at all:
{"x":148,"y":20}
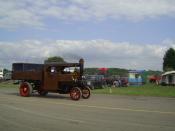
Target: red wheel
{"x":86,"y":92}
{"x":25,"y":89}
{"x":75,"y":93}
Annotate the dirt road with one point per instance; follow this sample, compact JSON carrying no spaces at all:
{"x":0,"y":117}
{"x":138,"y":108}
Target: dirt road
{"x":99,"y":113}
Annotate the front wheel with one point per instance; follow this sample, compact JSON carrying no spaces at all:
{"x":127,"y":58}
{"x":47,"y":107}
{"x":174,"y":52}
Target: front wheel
{"x":75,"y":93}
{"x":86,"y":92}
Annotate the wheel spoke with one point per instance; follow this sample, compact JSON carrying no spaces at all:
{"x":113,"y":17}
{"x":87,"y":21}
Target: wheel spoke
{"x":75,"y":93}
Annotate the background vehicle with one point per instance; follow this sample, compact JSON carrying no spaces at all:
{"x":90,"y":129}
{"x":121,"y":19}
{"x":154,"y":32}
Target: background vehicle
{"x":95,"y":81}
{"x":100,"y":81}
{"x":7,"y":76}
{"x":1,"y":73}
{"x":51,"y":77}
{"x":135,"y":77}
{"x":168,"y":78}
{"x":154,"y":79}
{"x":117,"y":81}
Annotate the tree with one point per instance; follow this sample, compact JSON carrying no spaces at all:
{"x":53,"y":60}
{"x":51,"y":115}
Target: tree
{"x":55,"y":59}
{"x":6,"y":71}
{"x":169,"y":60}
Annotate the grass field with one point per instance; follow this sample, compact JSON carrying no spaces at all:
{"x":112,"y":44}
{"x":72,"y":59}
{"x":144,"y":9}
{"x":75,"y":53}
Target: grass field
{"x":8,"y":85}
{"x":145,"y":90}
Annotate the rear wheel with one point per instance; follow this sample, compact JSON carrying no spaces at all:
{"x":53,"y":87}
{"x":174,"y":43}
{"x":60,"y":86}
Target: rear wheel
{"x":75,"y":93}
{"x":86,"y":92}
{"x":25,"y":89}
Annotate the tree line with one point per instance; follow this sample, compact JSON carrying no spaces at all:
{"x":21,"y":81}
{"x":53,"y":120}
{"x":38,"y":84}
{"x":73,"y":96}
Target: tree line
{"x":169,"y":60}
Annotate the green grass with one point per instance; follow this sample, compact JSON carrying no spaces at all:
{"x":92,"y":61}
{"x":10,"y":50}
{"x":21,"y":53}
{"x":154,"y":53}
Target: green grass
{"x":8,"y":85}
{"x":145,"y":90}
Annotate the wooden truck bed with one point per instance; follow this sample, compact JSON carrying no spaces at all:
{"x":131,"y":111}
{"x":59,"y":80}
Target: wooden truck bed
{"x":26,"y":71}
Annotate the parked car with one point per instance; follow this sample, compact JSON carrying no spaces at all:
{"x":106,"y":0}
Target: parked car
{"x":117,"y":81}
{"x":7,"y":76}
{"x":95,"y":81}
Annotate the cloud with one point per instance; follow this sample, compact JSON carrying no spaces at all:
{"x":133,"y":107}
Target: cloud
{"x":97,"y":53}
{"x":13,"y":14}
{"x":19,"y":13}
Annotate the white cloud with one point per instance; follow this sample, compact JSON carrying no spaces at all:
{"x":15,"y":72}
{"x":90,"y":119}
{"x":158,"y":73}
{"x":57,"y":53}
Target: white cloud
{"x":97,"y":53}
{"x":13,"y":14}
{"x":17,"y":13}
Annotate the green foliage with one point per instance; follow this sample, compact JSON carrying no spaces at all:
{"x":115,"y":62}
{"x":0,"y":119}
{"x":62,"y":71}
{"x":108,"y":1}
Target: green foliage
{"x":117,"y":71}
{"x":55,"y":59}
{"x":169,"y":60}
{"x":6,"y":72}
{"x":91,"y":71}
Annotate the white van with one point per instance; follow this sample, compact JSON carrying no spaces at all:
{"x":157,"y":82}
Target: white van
{"x":1,"y":73}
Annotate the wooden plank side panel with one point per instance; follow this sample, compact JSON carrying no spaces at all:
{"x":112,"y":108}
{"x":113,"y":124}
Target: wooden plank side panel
{"x":27,"y":75}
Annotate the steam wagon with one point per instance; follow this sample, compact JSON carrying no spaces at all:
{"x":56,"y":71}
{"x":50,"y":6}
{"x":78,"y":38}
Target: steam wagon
{"x":63,"y":78}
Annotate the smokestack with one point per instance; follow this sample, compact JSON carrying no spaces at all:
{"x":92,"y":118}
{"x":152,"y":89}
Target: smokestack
{"x":81,"y":61}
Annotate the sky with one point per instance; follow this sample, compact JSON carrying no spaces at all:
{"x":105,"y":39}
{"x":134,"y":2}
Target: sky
{"x":131,"y":34}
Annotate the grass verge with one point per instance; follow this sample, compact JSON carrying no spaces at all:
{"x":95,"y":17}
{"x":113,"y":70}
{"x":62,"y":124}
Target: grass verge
{"x":8,"y":84}
{"x":145,"y":90}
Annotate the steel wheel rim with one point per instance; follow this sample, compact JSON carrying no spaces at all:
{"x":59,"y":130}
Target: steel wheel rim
{"x":75,"y":93}
{"x":85,"y":92}
{"x":24,"y":89}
